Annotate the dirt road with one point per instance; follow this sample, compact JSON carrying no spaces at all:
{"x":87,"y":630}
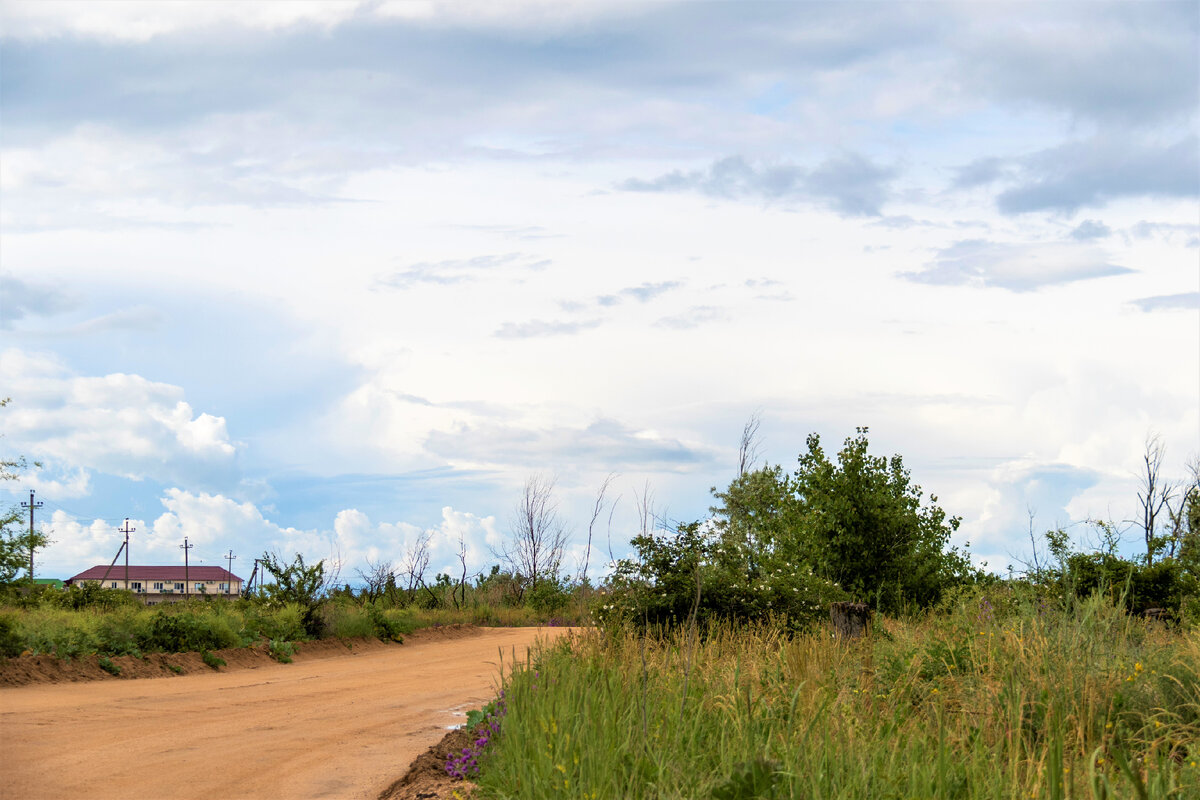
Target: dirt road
{"x":341,"y":727}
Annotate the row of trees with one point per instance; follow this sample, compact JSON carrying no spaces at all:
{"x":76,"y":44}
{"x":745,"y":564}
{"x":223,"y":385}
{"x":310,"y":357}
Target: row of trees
{"x":851,"y":525}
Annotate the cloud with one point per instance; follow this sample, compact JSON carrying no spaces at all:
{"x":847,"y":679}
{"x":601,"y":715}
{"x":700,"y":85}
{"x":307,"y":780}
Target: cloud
{"x":116,"y":424}
{"x":1016,"y":267}
{"x":536,"y":329}
{"x":643,"y":293}
{"x":981,"y":172}
{"x":849,"y":184}
{"x":453,"y":271}
{"x":604,"y":441}
{"x":1014,"y":489}
{"x":1167,"y":231}
{"x":1185,"y":301}
{"x":694,"y":317}
{"x":1094,"y":172}
{"x":19,"y":299}
{"x":139,"y":22}
{"x":1090,"y":229}
{"x":1115,"y":63}
{"x":215,"y":524}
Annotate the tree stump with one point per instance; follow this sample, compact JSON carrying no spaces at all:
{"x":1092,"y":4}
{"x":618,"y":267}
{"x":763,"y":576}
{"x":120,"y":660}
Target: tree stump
{"x":850,"y":620}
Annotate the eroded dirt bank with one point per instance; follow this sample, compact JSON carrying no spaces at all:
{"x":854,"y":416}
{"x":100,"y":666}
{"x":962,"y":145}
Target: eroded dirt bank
{"x":336,"y":726}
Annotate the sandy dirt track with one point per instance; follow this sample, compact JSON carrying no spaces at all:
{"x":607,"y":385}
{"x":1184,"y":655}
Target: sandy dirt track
{"x":339,"y":727}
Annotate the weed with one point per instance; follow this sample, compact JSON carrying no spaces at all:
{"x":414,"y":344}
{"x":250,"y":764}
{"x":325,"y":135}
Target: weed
{"x":108,"y":666}
{"x":281,"y":651}
{"x":1025,"y":703}
{"x":211,"y":660}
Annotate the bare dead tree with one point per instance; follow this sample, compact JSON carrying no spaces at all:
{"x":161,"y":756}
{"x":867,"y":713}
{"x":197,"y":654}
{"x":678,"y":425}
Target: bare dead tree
{"x":534,"y":551}
{"x":459,"y":595}
{"x":1032,"y":512}
{"x":748,"y":447}
{"x":597,"y":510}
{"x":416,"y":561}
{"x":1155,"y":492}
{"x":645,"y":509}
{"x":612,"y":560}
{"x":375,"y":579}
{"x":1180,"y":513}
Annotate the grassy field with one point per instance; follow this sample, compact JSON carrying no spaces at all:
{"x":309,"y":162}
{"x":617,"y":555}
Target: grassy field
{"x":129,"y":628}
{"x":976,"y":701}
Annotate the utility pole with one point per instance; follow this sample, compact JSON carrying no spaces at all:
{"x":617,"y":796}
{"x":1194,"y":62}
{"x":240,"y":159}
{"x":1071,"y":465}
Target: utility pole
{"x":186,"y":580}
{"x":126,"y":530}
{"x":31,"y":506}
{"x":229,"y":580}
{"x":253,"y":575}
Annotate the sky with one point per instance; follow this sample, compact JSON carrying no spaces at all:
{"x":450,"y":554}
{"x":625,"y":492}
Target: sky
{"x":318,"y":276}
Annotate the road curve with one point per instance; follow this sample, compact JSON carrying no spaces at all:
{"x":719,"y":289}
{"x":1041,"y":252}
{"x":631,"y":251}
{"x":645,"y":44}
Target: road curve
{"x":339,"y":727}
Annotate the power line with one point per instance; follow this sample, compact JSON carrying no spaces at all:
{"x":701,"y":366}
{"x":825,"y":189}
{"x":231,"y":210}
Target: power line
{"x":79,"y":517}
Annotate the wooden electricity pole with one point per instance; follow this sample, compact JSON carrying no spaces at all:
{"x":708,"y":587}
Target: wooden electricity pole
{"x":31,"y":505}
{"x":126,"y":530}
{"x":186,"y":580}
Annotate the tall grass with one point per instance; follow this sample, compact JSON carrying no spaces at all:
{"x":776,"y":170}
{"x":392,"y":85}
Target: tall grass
{"x":1036,"y":703}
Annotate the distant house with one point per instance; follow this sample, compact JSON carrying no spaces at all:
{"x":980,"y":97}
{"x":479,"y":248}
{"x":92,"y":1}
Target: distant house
{"x":165,"y":584}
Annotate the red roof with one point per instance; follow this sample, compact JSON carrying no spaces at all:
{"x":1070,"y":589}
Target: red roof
{"x":172,"y":573}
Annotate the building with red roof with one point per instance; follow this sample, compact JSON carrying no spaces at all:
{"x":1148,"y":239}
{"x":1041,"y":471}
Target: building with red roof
{"x":163,"y":584}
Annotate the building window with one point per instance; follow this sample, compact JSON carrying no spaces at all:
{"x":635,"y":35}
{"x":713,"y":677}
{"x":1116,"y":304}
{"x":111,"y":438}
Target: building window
{"x":179,"y":587}
{"x":224,"y":587}
{"x":135,"y":586}
{"x":114,"y":584}
{"x":158,"y":587}
{"x":199,"y":587}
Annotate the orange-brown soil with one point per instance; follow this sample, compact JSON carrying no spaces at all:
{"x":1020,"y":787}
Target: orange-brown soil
{"x":340,"y":722}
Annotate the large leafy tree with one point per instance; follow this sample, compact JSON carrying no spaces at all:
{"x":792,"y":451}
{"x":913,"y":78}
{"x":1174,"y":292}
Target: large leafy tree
{"x":859,"y":522}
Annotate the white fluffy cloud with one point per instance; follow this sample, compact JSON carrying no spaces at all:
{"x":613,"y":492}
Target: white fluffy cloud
{"x":214,"y":525}
{"x":118,"y":424}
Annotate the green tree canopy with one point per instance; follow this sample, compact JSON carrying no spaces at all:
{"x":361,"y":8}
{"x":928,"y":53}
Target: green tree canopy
{"x":859,"y":522}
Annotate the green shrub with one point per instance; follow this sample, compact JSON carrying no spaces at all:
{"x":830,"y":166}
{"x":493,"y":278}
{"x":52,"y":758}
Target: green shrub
{"x":347,"y":621}
{"x":186,"y":631}
{"x":10,"y":639}
{"x":211,"y":660}
{"x":275,"y":621}
{"x":386,"y":629}
{"x":108,"y":666}
{"x":120,"y":632}
{"x":547,"y":596}
{"x":89,"y":595}
{"x":281,"y":651}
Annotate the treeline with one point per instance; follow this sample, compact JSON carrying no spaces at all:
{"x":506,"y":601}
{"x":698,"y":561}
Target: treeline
{"x":783,"y":546}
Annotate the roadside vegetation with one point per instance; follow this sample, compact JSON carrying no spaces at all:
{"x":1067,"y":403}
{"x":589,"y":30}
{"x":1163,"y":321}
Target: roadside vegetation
{"x":713,"y":670}
{"x":994,"y":694}
{"x":82,"y":620}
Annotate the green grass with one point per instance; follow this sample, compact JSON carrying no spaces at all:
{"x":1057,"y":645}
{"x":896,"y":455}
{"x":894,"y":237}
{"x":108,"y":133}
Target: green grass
{"x":195,"y":625}
{"x":1035,"y":703}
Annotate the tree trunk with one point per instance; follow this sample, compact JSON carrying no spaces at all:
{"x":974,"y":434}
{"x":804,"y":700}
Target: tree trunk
{"x":850,"y":620}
